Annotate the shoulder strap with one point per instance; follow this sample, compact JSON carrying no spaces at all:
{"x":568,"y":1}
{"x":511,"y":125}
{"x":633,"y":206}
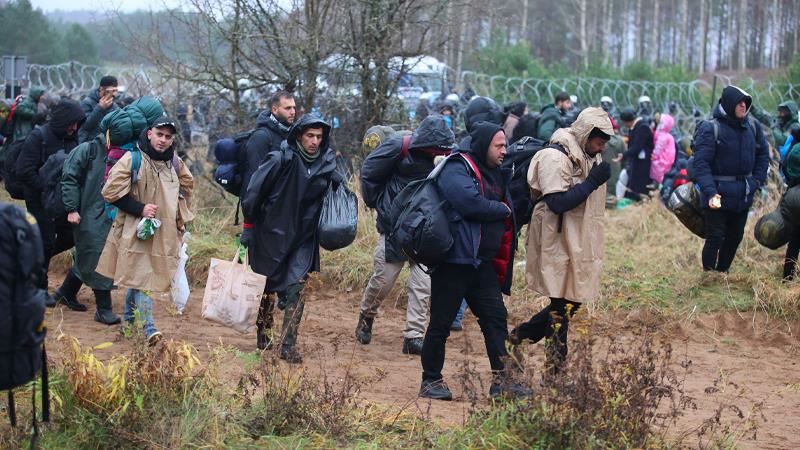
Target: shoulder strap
{"x":404,"y":147}
{"x":558,"y":147}
{"x":471,"y":165}
{"x":136,"y":164}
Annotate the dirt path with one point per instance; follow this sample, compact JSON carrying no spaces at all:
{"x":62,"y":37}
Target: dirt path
{"x":754,"y":367}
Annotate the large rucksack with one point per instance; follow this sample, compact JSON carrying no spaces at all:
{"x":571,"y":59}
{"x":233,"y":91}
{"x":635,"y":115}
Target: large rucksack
{"x":11,"y":182}
{"x":22,"y":305}
{"x":518,"y":159}
{"x":50,"y":174}
{"x":232,"y":162}
{"x":420,"y":217}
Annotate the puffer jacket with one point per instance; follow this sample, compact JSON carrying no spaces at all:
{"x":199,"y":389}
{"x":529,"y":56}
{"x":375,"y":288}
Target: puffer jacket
{"x":26,"y":114}
{"x":735,"y":165}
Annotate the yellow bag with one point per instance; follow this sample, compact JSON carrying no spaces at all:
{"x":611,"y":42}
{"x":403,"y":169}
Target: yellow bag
{"x":233,"y":294}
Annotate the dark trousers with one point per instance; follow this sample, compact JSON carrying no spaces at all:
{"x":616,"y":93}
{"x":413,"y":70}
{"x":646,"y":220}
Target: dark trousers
{"x":550,"y":322}
{"x":790,"y":261}
{"x":724,"y":231}
{"x":450,"y":283}
{"x":56,"y":236}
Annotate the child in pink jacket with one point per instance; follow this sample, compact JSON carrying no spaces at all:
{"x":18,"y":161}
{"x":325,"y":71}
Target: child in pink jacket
{"x":663,"y":149}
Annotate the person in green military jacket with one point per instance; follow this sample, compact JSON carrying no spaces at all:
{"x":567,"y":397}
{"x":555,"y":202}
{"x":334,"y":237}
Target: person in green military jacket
{"x":787,"y":116}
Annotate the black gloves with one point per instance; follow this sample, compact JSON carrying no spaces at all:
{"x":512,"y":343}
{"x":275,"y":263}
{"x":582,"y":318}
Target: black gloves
{"x":600,"y":173}
{"x":246,"y":237}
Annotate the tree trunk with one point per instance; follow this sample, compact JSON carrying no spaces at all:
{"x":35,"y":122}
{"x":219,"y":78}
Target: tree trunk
{"x":741,"y":43}
{"x":639,"y":42}
{"x":701,"y":66}
{"x":623,"y":42}
{"x":655,"y":44}
{"x":608,"y":7}
{"x":684,"y":34}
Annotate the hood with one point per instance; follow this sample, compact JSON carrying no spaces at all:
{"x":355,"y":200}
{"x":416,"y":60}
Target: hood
{"x":266,"y":119}
{"x":65,"y":112}
{"x":94,"y":95}
{"x":482,"y":109}
{"x":305,"y":122}
{"x":36,"y":93}
{"x":433,"y":132}
{"x":481,"y":136}
{"x":792,"y":107}
{"x":731,"y":96}
{"x":589,"y":119}
{"x":666,"y":124}
{"x":525,"y":127}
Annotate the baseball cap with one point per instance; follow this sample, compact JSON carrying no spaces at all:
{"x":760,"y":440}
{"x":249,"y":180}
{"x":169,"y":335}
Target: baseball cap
{"x":164,"y":121}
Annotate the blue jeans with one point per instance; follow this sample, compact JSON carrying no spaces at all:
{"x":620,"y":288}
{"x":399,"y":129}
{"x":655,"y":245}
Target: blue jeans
{"x":460,"y":315}
{"x":138,"y":300}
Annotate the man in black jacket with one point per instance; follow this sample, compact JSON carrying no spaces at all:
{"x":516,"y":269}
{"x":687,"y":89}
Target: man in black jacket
{"x":479,"y":266}
{"x":386,"y":171}
{"x":635,"y":177}
{"x":281,"y":209}
{"x":60,"y":133}
{"x":272,"y":127}
{"x":96,"y":105}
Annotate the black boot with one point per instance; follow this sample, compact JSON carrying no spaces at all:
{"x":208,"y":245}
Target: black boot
{"x":412,"y":346}
{"x":71,"y":303}
{"x":504,"y":386}
{"x":436,"y":390}
{"x":264,"y":322}
{"x":364,"y":329}
{"x":291,"y":354}
{"x":104,"y":313}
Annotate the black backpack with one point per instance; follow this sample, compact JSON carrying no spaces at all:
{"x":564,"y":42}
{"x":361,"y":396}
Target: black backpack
{"x":50,"y":174}
{"x":231,"y":168}
{"x":22,"y":306}
{"x":420,"y":217}
{"x":12,"y":183}
{"x":518,"y":159}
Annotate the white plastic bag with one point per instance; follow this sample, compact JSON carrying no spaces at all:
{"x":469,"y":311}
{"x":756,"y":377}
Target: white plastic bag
{"x":233,"y":294}
{"x":180,"y":284}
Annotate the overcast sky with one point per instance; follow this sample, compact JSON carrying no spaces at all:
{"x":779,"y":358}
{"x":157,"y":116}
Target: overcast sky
{"x":101,"y":5}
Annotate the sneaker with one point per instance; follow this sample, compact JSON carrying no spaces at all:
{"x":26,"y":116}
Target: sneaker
{"x":436,"y":390}
{"x":70,"y":303}
{"x":291,"y":355}
{"x":154,"y":338}
{"x":106,"y":317}
{"x":412,"y":346}
{"x":509,"y":390}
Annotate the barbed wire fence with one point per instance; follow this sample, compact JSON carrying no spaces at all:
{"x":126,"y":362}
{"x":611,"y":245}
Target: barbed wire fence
{"x":684,"y":99}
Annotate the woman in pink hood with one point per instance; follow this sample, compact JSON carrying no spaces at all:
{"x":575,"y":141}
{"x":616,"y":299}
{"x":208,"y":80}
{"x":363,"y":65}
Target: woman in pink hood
{"x":663,"y":149}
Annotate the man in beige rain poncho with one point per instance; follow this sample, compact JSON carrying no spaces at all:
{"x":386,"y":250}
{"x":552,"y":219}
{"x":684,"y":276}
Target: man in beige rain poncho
{"x":162,"y":191}
{"x":565,"y":235}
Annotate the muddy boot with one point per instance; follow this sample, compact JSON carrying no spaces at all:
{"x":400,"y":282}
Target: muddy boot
{"x":291,"y":354}
{"x":504,"y":386}
{"x":364,"y":329}
{"x":292,"y":314}
{"x":104,"y":314}
{"x":264,"y":322}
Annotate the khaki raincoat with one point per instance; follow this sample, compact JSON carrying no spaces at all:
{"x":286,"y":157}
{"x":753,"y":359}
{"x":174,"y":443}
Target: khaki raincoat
{"x":146,"y":265}
{"x":567,"y":263}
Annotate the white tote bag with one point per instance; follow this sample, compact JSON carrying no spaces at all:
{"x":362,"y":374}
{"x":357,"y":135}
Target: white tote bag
{"x":233,"y":294}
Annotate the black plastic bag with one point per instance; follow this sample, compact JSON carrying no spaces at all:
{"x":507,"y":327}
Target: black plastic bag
{"x":773,"y":230}
{"x":338,"y":222}
{"x":685,"y":204}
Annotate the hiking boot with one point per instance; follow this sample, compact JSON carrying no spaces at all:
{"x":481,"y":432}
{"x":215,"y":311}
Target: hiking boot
{"x":106,"y":317}
{"x":509,"y":390}
{"x":262,"y":338}
{"x":364,"y":329}
{"x":49,"y":301}
{"x":71,"y":303}
{"x":154,"y":338}
{"x":412,"y":346}
{"x":436,"y":390}
{"x":291,"y":355}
